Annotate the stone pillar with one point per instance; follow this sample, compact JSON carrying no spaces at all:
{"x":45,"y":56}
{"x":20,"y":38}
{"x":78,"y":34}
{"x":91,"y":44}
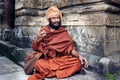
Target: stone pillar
{"x":93,"y":24}
{"x":2,"y":12}
{"x":2,"y":16}
{"x":10,"y":13}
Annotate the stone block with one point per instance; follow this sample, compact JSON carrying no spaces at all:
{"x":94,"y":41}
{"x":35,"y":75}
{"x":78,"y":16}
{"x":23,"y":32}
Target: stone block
{"x":113,"y":1}
{"x":2,"y":5}
{"x":115,"y":58}
{"x":93,"y":7}
{"x":111,"y":47}
{"x":6,"y":34}
{"x":96,"y":19}
{"x":117,"y":33}
{"x":108,"y":66}
{"x":99,"y":18}
{"x":6,"y":49}
{"x":1,"y":11}
{"x":23,"y":35}
{"x":88,"y":39}
{"x":106,"y":63}
{"x":21,"y":53}
{"x":42,"y":4}
{"x":30,"y":12}
{"x":13,"y":52}
{"x":92,"y":59}
{"x":76,"y":15}
{"x":113,"y":19}
{"x":112,"y":33}
{"x":31,"y":21}
{"x":72,"y":9}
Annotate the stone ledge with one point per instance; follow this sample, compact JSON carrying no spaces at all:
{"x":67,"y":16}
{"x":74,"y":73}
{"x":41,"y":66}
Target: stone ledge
{"x":101,"y":6}
{"x":13,"y":52}
{"x":113,"y":1}
{"x":17,"y":54}
{"x":43,"y":4}
{"x":102,"y":18}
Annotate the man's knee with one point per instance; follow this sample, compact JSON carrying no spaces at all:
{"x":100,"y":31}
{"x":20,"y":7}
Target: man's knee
{"x":37,"y":64}
{"x":40,"y":63}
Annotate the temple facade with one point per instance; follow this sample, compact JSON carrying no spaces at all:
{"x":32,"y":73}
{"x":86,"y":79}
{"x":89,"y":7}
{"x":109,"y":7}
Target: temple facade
{"x":94,"y":26}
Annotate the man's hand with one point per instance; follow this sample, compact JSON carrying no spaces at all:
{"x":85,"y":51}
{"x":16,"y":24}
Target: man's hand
{"x":83,"y":61}
{"x":41,"y":33}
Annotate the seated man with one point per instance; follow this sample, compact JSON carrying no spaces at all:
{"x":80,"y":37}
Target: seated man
{"x":60,"y":57}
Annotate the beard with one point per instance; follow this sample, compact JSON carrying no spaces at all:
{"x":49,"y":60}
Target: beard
{"x":53,"y":26}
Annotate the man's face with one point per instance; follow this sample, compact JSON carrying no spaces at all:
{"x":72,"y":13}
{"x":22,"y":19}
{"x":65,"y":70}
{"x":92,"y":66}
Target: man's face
{"x":55,"y":22}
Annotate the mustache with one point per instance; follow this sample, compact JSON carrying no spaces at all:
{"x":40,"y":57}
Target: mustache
{"x":53,"y":26}
{"x":56,"y":22}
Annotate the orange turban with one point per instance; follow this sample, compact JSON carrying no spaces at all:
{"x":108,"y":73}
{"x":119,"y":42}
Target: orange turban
{"x":53,"y":11}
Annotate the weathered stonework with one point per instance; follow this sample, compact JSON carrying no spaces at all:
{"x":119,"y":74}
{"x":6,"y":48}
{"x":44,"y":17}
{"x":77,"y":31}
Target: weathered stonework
{"x":94,"y":26}
{"x":89,"y":39}
{"x":42,"y":4}
{"x":73,"y":15}
{"x":2,"y":13}
{"x":24,"y":36}
{"x":2,"y":16}
{"x":74,"y":19}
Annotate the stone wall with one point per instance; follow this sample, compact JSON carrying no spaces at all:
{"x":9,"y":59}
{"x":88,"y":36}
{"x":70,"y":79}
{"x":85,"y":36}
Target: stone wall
{"x":94,"y":25}
{"x":2,"y":12}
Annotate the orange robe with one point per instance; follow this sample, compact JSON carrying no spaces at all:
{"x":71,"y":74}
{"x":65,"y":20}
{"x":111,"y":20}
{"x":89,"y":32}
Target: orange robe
{"x":57,"y":61}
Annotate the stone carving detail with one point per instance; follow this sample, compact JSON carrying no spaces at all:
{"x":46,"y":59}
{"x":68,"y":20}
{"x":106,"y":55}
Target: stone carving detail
{"x":24,"y":36}
{"x":88,"y":39}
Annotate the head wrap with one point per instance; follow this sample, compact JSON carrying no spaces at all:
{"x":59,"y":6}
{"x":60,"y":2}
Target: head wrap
{"x":53,"y":11}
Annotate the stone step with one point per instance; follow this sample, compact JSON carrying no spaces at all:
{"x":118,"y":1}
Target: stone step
{"x":10,"y":71}
{"x":13,"y":52}
{"x":7,"y":66}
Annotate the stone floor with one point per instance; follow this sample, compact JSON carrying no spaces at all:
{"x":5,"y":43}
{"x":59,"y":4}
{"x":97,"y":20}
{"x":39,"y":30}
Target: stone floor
{"x":11,"y":71}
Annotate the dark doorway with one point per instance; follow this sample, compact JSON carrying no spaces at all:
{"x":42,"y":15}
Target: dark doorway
{"x":10,"y":13}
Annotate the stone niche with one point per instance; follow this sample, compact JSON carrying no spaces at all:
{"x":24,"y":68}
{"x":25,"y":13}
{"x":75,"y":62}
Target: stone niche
{"x":94,"y":25}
